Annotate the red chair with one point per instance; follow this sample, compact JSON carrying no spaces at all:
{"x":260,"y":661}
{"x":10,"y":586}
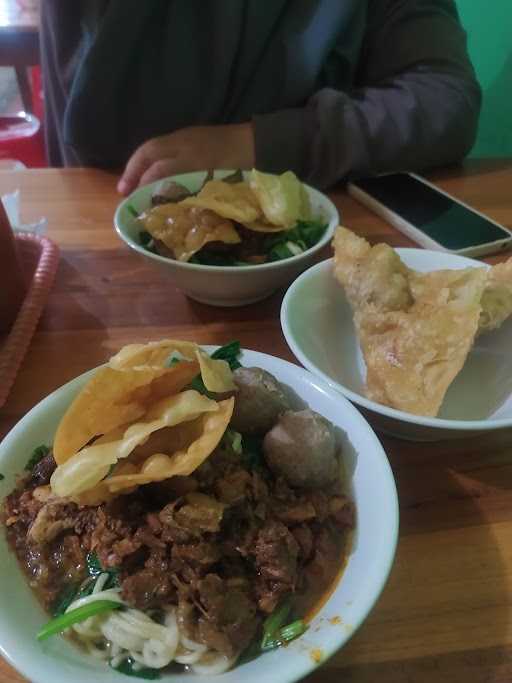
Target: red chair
{"x":21,"y":139}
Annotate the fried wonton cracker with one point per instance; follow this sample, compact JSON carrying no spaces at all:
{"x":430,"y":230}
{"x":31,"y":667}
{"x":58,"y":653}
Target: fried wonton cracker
{"x":497,"y":297}
{"x":152,"y":354}
{"x":413,"y":356}
{"x":216,"y":373}
{"x":415,"y":329}
{"x":203,"y":435}
{"x":280,"y":196}
{"x":370,"y":275}
{"x":114,"y":397}
{"x":235,"y":201}
{"x":185,"y":229}
{"x":91,"y":465}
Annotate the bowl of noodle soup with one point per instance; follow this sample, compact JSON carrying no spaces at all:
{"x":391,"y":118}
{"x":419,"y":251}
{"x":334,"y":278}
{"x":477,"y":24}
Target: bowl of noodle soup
{"x":158,"y":637}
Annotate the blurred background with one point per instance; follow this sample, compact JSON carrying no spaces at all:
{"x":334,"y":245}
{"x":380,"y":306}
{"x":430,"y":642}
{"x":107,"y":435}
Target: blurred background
{"x":488,"y":25}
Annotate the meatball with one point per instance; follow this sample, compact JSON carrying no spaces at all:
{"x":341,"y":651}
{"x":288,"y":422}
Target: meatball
{"x":168,"y":192}
{"x":302,"y":448}
{"x":258,"y":402}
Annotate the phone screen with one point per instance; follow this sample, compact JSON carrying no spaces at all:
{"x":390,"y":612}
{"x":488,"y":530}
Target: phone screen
{"x":447,"y":222}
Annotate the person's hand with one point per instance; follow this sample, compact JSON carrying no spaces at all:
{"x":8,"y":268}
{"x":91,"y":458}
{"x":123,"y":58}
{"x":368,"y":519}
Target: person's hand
{"x":189,"y":149}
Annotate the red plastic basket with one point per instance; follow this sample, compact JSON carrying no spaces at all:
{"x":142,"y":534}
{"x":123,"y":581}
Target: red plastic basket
{"x":39,"y":257}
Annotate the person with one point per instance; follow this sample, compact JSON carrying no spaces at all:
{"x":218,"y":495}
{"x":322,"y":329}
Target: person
{"x":330,"y":89}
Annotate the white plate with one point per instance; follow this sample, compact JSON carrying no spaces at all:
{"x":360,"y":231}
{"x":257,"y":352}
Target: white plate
{"x":317,"y":322}
{"x":373,"y":489}
{"x":224,"y":285}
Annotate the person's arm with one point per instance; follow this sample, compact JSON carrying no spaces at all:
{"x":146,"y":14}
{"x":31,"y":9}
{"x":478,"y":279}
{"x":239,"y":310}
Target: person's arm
{"x":416,"y":105}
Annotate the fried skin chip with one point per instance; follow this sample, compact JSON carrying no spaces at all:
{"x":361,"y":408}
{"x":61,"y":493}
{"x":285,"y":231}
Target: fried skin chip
{"x":91,"y":465}
{"x":497,"y":297}
{"x":413,"y":356}
{"x":208,"y":430}
{"x":235,"y":201}
{"x":370,"y":275}
{"x":152,"y":354}
{"x":260,"y":226}
{"x":114,"y":397}
{"x":415,"y":329}
{"x":216,"y":373}
{"x":280,"y":196}
{"x":187,"y":229}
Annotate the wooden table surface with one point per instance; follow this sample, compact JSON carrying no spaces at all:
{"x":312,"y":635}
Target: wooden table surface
{"x":445,"y":615}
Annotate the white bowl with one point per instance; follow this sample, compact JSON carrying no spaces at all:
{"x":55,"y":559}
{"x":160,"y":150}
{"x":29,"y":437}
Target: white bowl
{"x":374,"y":493}
{"x":224,"y":285}
{"x":317,"y":323}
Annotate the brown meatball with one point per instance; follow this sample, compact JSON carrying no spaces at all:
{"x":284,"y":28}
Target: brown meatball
{"x":258,"y":402}
{"x":169,"y":192}
{"x":302,"y":448}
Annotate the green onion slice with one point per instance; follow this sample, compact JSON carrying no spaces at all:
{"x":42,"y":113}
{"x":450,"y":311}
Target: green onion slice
{"x":285,"y":635}
{"x":75,"y":616}
{"x":274,"y":622}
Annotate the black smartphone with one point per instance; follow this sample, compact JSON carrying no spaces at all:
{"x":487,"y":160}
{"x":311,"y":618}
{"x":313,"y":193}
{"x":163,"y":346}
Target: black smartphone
{"x":429,"y":216}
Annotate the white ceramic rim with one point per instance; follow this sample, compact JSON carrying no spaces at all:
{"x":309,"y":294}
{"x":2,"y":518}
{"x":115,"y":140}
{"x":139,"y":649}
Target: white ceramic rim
{"x":325,"y":239}
{"x":367,"y":601}
{"x":358,"y":399}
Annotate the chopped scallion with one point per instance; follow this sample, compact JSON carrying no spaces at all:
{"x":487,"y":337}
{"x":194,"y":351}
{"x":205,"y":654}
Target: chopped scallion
{"x":174,"y":358}
{"x":75,"y":616}
{"x":274,"y":622}
{"x":285,"y":635}
{"x":127,"y":668}
{"x":37,"y":455}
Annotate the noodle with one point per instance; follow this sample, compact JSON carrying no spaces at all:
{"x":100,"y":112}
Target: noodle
{"x":132,"y":635}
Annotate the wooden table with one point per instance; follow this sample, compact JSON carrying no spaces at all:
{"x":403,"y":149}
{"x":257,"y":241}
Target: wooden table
{"x":445,"y":615}
{"x":19,"y":42}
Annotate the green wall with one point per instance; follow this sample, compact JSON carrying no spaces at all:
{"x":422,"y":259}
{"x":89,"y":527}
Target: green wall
{"x":489,"y":27}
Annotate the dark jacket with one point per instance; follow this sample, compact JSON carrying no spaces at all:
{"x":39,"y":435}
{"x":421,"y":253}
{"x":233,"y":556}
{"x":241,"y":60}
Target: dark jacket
{"x":334,"y":88}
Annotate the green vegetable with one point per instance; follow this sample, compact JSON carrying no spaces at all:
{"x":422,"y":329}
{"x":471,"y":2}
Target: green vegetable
{"x":229,"y":352}
{"x":285,"y":635}
{"x":274,"y":634}
{"x":197,"y":384}
{"x":111,"y":469}
{"x":132,"y":210}
{"x":37,"y":455}
{"x":251,"y":652}
{"x":252,"y":451}
{"x":233,"y":440}
{"x":280,"y":252}
{"x":174,"y":358}
{"x":64,"y":600}
{"x":94,"y":569}
{"x":274,"y":622}
{"x":77,"y":615}
{"x":87,"y":589}
{"x":310,"y":232}
{"x":288,"y":243}
{"x":146,"y":240}
{"x":126,"y":667}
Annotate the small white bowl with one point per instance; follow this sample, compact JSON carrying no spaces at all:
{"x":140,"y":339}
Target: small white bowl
{"x":224,"y":285}
{"x":317,"y":323}
{"x":373,"y":548}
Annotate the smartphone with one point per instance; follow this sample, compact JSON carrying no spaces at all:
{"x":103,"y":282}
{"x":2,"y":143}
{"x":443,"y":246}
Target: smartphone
{"x":430,"y":216}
